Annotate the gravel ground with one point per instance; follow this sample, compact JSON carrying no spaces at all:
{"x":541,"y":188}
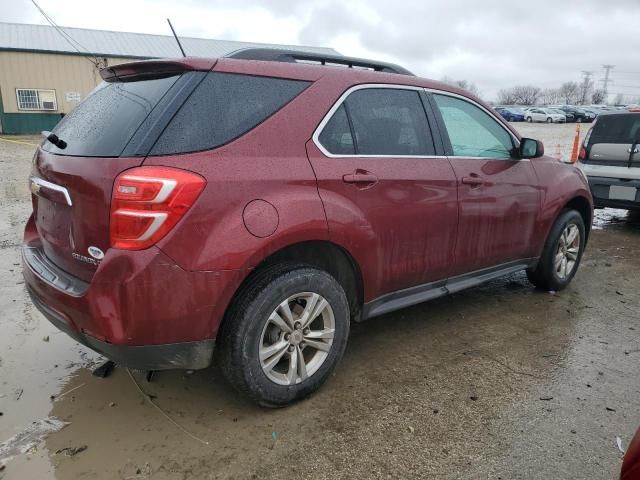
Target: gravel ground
{"x":497,"y":382}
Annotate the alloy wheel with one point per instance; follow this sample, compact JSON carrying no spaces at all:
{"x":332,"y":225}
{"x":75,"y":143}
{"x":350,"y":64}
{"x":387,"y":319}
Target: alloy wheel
{"x":567,"y":252}
{"x":297,"y":338}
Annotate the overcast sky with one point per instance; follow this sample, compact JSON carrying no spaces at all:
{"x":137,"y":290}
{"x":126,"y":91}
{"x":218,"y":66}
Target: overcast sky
{"x":493,"y":43}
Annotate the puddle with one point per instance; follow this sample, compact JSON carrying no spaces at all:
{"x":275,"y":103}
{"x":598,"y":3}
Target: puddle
{"x":615,"y":218}
{"x":29,"y":438}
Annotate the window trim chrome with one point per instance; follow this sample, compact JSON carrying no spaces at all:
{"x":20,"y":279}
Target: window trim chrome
{"x":366,"y":86}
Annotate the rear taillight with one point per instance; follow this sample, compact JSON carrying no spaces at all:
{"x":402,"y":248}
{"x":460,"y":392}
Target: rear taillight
{"x":147,"y":202}
{"x":583,"y":148}
{"x":583,"y":153}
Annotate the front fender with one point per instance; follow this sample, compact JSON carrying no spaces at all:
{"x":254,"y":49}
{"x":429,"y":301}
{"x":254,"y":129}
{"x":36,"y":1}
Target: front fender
{"x":560,"y":184}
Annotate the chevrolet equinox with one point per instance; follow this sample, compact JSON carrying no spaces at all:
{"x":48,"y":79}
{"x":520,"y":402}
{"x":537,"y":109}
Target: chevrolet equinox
{"x":261,"y":202}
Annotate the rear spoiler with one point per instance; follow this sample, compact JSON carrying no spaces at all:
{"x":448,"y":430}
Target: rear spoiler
{"x":147,"y":69}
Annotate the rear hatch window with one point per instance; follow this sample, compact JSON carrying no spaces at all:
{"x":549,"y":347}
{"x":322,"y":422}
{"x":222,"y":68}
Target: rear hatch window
{"x":611,"y":140}
{"x":105,"y":122}
{"x":616,"y":129}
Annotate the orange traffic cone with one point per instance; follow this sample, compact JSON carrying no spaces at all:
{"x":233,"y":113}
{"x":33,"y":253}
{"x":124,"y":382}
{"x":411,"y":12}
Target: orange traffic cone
{"x":576,"y":145}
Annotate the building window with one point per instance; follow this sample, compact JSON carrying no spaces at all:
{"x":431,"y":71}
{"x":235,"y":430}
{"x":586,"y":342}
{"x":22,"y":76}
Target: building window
{"x":36,"y":99}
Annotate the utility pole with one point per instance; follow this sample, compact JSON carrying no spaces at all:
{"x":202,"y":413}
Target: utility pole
{"x":606,"y":80}
{"x":586,"y":86}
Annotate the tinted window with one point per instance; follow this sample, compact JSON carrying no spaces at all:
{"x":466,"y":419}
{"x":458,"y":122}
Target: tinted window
{"x":223,"y":107}
{"x":103,"y":123}
{"x":389,"y":122}
{"x":616,"y":129}
{"x":472,"y":131}
{"x":336,"y":135}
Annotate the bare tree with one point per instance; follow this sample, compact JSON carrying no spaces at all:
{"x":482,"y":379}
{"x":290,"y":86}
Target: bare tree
{"x":464,"y":84}
{"x":526,"y":94}
{"x":549,"y":96}
{"x":570,"y":92}
{"x":598,"y":97}
{"x":506,"y":97}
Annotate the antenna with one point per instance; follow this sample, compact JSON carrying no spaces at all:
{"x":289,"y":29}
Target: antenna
{"x":176,"y":37}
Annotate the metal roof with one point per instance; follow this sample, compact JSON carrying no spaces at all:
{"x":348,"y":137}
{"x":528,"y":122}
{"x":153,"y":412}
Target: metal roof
{"x":45,"y":38}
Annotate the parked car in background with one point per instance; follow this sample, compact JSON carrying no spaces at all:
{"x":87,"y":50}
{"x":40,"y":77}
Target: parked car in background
{"x":610,"y":157}
{"x":538,"y":114}
{"x":568,"y":117}
{"x":578,"y":114}
{"x":592,"y":112}
{"x":259,"y":203}
{"x":511,"y":114}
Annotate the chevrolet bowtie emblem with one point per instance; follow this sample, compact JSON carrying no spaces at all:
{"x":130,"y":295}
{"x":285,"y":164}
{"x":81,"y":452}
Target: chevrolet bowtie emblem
{"x":35,"y":188}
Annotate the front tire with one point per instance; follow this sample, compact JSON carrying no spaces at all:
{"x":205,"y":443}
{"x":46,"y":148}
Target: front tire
{"x":529,"y":119}
{"x":562,"y":253}
{"x":549,"y":120}
{"x":284,"y":334}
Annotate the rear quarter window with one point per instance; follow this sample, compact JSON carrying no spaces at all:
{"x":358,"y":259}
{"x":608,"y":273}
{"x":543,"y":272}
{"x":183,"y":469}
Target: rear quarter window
{"x":222,"y":108}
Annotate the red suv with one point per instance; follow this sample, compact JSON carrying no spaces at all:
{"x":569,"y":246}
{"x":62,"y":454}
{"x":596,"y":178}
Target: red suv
{"x":260,"y":202}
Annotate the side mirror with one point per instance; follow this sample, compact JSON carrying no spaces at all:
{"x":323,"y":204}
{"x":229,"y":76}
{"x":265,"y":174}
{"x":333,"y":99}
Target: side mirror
{"x":530,"y":148}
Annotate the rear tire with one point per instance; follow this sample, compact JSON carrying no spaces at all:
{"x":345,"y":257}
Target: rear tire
{"x":268,"y":351}
{"x":562,"y":253}
{"x":549,"y":120}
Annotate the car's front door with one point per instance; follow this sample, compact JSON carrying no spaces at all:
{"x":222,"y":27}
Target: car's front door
{"x":498,"y":194}
{"x":390,"y":199}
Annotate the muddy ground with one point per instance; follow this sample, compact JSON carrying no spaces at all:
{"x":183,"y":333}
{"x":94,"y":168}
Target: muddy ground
{"x":498,"y":382}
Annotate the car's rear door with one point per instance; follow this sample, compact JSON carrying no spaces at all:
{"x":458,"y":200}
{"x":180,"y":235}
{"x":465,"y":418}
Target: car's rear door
{"x":388,"y":192}
{"x":497,"y":193}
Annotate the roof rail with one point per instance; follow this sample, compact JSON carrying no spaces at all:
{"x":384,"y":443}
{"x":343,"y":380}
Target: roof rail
{"x":295,"y":56}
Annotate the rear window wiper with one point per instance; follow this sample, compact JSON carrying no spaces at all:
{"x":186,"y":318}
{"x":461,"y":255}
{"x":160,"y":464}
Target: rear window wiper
{"x":53,"y":138}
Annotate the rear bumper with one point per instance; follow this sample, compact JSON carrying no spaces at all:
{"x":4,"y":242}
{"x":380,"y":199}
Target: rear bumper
{"x":185,"y":355}
{"x":601,"y":187}
{"x":140,"y":308}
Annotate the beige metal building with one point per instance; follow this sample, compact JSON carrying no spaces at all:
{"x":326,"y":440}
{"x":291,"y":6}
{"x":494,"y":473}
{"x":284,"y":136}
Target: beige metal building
{"x":45,"y":72}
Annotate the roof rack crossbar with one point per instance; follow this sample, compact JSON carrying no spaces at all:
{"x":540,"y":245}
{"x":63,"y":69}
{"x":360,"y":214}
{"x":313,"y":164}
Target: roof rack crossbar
{"x":293,"y":56}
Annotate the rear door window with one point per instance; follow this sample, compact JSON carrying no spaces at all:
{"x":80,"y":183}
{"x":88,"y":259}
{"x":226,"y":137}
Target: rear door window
{"x":389,"y":121}
{"x":103,"y":124}
{"x":222,"y":108}
{"x":472,"y":131}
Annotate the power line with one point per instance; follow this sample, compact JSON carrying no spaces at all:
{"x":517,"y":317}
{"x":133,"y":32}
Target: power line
{"x":70,"y":40}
